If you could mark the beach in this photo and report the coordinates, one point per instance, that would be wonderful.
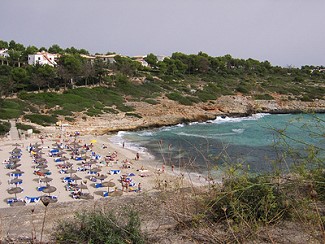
(151, 175)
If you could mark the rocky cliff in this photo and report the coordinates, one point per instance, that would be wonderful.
(168, 112)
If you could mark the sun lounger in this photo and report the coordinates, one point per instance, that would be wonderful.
(41, 188)
(69, 181)
(98, 185)
(78, 158)
(12, 200)
(57, 160)
(105, 194)
(16, 175)
(32, 199)
(131, 174)
(132, 184)
(115, 171)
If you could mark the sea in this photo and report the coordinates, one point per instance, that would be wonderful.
(257, 144)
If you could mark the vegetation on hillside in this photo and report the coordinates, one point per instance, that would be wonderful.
(101, 87)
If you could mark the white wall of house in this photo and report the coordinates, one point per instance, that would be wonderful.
(42, 58)
(4, 53)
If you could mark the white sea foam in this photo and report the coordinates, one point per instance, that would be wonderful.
(238, 131)
(146, 133)
(119, 139)
(221, 119)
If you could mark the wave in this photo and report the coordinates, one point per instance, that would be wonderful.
(238, 131)
(146, 133)
(211, 136)
(222, 119)
(119, 139)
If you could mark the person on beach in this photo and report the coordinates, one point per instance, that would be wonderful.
(139, 187)
(163, 168)
(123, 144)
(173, 166)
(137, 156)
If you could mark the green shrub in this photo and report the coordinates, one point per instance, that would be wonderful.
(12, 108)
(4, 128)
(93, 112)
(263, 97)
(40, 119)
(250, 200)
(134, 115)
(25, 127)
(179, 98)
(151, 101)
(205, 96)
(62, 112)
(96, 227)
(69, 119)
(110, 110)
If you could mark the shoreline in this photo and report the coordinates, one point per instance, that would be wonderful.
(151, 180)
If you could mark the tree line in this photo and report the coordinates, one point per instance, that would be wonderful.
(73, 69)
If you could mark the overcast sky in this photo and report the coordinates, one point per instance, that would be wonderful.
(284, 32)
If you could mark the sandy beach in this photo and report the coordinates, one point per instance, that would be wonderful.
(146, 171)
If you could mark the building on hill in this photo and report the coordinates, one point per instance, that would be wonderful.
(3, 56)
(141, 60)
(42, 58)
(105, 58)
(4, 53)
(110, 58)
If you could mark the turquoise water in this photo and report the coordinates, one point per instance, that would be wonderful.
(256, 142)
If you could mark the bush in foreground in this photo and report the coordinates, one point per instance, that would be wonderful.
(100, 227)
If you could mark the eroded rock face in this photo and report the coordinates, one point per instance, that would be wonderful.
(169, 112)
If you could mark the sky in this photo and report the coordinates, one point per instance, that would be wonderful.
(284, 32)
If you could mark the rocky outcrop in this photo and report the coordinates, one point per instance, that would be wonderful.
(168, 112)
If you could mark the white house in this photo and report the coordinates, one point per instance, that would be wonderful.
(4, 53)
(42, 58)
(106, 58)
(141, 60)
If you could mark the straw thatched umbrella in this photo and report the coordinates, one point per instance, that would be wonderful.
(49, 189)
(96, 170)
(14, 160)
(61, 153)
(14, 166)
(101, 177)
(75, 177)
(116, 193)
(17, 171)
(86, 196)
(41, 166)
(48, 199)
(40, 160)
(108, 184)
(45, 179)
(43, 171)
(71, 171)
(15, 190)
(16, 150)
(16, 145)
(15, 181)
(64, 158)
